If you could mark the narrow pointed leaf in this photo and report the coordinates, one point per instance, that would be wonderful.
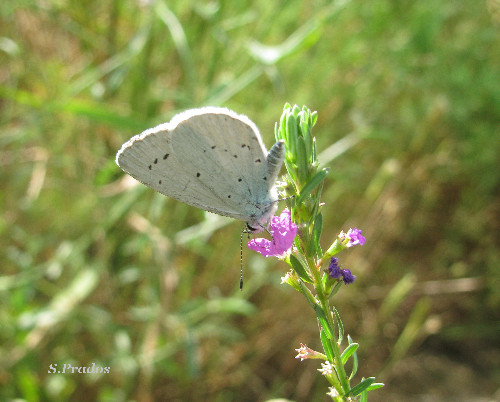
(336, 288)
(363, 385)
(282, 128)
(314, 118)
(323, 321)
(340, 325)
(291, 134)
(310, 298)
(348, 352)
(327, 346)
(313, 152)
(375, 385)
(314, 246)
(299, 268)
(311, 185)
(354, 360)
(302, 164)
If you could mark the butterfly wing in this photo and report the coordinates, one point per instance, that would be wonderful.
(210, 158)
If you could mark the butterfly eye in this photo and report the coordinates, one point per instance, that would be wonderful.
(252, 229)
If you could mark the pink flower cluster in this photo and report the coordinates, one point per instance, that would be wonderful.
(283, 231)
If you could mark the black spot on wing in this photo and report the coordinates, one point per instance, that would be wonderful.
(165, 156)
(198, 174)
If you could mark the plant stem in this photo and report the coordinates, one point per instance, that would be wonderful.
(320, 291)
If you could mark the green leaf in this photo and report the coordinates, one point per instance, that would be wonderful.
(306, 128)
(323, 321)
(363, 385)
(311, 185)
(283, 135)
(310, 298)
(291, 136)
(316, 201)
(340, 325)
(354, 360)
(314, 154)
(375, 385)
(348, 352)
(291, 168)
(314, 118)
(299, 268)
(327, 345)
(277, 131)
(302, 165)
(335, 289)
(314, 246)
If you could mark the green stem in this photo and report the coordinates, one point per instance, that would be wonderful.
(318, 286)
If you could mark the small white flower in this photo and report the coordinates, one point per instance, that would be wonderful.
(326, 368)
(285, 278)
(333, 392)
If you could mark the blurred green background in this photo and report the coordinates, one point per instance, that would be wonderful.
(95, 269)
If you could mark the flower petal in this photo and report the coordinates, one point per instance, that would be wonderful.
(283, 231)
(355, 237)
(262, 246)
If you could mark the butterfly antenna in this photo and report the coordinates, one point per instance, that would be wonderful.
(241, 259)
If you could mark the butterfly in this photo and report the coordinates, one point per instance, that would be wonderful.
(211, 158)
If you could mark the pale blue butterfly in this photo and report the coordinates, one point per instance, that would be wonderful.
(210, 158)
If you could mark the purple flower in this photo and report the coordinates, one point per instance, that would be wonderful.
(335, 272)
(283, 231)
(347, 276)
(352, 237)
(333, 268)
